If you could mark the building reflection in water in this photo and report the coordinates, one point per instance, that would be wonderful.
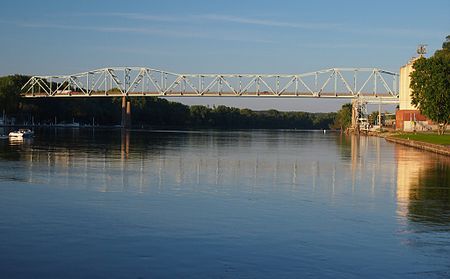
(423, 186)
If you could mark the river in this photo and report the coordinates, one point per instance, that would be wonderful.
(86, 203)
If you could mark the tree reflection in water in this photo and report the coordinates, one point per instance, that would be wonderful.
(431, 195)
(423, 186)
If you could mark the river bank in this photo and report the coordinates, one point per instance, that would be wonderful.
(431, 147)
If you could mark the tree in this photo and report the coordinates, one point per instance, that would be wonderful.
(430, 85)
(343, 118)
(10, 92)
(373, 118)
(199, 115)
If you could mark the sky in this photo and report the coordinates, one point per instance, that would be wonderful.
(283, 37)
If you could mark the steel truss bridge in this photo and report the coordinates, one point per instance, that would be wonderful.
(368, 84)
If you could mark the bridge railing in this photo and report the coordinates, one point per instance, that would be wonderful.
(140, 81)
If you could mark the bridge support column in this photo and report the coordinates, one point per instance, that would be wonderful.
(128, 116)
(124, 105)
(126, 113)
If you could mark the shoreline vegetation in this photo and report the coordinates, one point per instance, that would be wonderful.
(156, 112)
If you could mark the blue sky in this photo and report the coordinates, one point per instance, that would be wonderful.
(62, 37)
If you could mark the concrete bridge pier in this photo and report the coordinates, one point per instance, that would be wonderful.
(126, 113)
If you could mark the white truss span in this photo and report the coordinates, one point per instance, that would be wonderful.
(137, 81)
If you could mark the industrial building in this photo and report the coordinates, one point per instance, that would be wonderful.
(408, 116)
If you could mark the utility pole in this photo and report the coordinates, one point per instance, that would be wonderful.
(355, 116)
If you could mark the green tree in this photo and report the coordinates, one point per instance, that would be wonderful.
(323, 120)
(430, 85)
(343, 118)
(373, 118)
(10, 87)
(199, 115)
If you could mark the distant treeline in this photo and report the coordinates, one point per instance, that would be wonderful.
(148, 111)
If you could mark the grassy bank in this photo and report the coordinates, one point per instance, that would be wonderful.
(425, 137)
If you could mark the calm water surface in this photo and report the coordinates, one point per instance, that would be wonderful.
(208, 204)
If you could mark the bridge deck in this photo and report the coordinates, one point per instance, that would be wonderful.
(208, 94)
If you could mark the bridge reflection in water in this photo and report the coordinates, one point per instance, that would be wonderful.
(144, 167)
(127, 170)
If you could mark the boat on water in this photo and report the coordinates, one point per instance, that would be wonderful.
(21, 133)
(4, 137)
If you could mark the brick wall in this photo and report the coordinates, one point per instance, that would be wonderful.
(408, 115)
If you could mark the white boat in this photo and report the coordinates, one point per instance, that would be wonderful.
(22, 133)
